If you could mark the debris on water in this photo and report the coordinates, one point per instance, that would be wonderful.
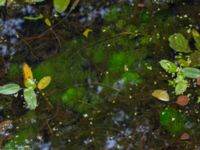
(182, 100)
(5, 125)
(161, 95)
(140, 5)
(198, 82)
(185, 136)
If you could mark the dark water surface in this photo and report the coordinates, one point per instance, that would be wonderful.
(100, 94)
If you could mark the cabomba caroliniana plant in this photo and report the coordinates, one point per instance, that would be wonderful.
(30, 85)
(186, 64)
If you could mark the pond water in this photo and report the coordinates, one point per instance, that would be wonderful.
(103, 59)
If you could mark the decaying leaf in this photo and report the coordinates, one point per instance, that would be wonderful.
(182, 100)
(185, 136)
(86, 32)
(44, 82)
(161, 95)
(198, 81)
(27, 72)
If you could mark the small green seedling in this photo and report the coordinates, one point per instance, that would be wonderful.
(30, 85)
(183, 69)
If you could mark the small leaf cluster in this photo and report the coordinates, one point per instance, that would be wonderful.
(30, 84)
(182, 69)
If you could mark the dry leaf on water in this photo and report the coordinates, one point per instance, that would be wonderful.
(161, 95)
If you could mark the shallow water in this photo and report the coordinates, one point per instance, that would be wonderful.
(100, 93)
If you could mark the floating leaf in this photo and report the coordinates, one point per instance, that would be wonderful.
(185, 136)
(2, 2)
(61, 5)
(44, 82)
(86, 32)
(182, 100)
(198, 81)
(191, 72)
(196, 37)
(179, 43)
(74, 5)
(30, 98)
(9, 89)
(161, 95)
(181, 87)
(27, 72)
(47, 21)
(168, 66)
(34, 1)
(33, 18)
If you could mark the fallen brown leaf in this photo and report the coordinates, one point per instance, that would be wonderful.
(182, 100)
(185, 136)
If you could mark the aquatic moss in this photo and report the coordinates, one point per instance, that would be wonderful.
(172, 120)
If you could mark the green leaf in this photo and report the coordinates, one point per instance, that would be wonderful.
(168, 66)
(74, 5)
(196, 37)
(2, 2)
(61, 5)
(190, 72)
(181, 87)
(37, 1)
(30, 98)
(33, 18)
(179, 43)
(9, 89)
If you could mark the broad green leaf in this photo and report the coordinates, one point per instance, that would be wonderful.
(179, 43)
(168, 66)
(161, 95)
(2, 2)
(181, 87)
(33, 18)
(9, 89)
(30, 98)
(61, 5)
(195, 59)
(196, 37)
(44, 82)
(190, 72)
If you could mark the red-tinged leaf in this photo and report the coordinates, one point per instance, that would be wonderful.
(182, 100)
(198, 81)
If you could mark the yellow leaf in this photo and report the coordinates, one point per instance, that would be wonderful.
(161, 95)
(27, 72)
(47, 21)
(87, 31)
(44, 82)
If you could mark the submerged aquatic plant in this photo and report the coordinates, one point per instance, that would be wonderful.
(172, 120)
(30, 85)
